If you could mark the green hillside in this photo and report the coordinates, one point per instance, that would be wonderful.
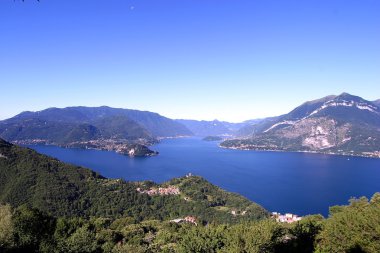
(48, 206)
(59, 189)
(352, 228)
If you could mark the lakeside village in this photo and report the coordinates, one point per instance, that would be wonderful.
(173, 190)
(286, 218)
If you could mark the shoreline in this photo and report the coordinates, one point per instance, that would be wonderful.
(129, 151)
(301, 151)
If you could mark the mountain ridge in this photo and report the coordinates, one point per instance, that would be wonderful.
(343, 124)
(155, 123)
(376, 102)
(122, 130)
(206, 128)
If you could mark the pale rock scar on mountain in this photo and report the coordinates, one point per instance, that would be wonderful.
(343, 124)
(361, 106)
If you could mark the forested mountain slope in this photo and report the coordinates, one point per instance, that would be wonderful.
(59, 189)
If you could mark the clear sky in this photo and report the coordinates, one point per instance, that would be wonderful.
(201, 59)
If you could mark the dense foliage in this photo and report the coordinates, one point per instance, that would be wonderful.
(352, 228)
(49, 206)
(59, 189)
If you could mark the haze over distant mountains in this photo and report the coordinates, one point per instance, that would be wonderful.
(343, 124)
(215, 127)
(206, 128)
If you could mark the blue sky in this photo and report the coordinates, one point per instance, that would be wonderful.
(202, 59)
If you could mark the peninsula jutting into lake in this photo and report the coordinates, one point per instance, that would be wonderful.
(272, 179)
(184, 206)
(174, 126)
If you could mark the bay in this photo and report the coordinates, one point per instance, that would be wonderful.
(300, 183)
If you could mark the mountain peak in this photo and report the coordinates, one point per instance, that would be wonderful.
(376, 102)
(343, 124)
(347, 96)
(345, 100)
(319, 100)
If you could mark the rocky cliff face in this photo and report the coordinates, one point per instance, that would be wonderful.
(316, 133)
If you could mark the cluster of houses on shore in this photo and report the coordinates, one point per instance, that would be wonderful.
(188, 219)
(170, 190)
(375, 154)
(286, 218)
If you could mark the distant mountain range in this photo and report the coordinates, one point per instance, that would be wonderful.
(343, 124)
(211, 128)
(64, 126)
(95, 127)
(139, 123)
(215, 127)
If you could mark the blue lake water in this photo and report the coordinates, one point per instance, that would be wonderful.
(300, 183)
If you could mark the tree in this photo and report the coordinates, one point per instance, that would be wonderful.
(33, 230)
(260, 237)
(303, 235)
(6, 227)
(202, 239)
(82, 240)
(356, 228)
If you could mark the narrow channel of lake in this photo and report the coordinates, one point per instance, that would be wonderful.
(299, 183)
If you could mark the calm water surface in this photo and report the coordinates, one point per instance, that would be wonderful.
(286, 182)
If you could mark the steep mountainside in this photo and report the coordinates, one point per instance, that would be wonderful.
(254, 126)
(59, 189)
(343, 124)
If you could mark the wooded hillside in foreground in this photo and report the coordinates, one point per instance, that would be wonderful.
(49, 206)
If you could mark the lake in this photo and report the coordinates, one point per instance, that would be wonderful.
(299, 183)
